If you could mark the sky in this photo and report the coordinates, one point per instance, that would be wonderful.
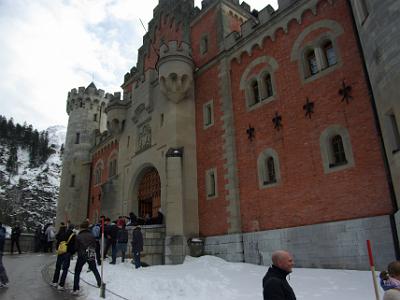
(210, 277)
(49, 47)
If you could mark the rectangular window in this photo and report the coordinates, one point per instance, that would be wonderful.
(208, 118)
(127, 143)
(72, 182)
(211, 183)
(395, 133)
(95, 117)
(161, 120)
(204, 45)
(77, 138)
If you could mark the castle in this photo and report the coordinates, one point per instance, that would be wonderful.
(254, 130)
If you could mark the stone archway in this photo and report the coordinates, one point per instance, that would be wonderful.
(149, 193)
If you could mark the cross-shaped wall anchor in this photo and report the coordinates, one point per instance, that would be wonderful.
(277, 120)
(251, 132)
(309, 108)
(345, 92)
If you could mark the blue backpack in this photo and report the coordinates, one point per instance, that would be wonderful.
(96, 231)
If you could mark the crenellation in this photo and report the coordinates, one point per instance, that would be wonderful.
(247, 27)
(265, 14)
(245, 6)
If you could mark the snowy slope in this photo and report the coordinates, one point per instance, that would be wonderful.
(30, 196)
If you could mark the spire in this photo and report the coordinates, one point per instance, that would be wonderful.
(91, 85)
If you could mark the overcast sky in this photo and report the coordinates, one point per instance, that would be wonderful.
(48, 47)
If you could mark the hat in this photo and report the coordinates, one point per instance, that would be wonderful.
(84, 225)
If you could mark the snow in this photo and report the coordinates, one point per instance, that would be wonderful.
(209, 277)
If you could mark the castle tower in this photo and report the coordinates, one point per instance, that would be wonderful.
(85, 108)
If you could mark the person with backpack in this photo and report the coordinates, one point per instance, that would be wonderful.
(65, 250)
(96, 231)
(15, 234)
(85, 244)
(137, 245)
(122, 241)
(3, 273)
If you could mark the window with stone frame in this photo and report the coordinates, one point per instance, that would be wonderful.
(336, 149)
(338, 153)
(268, 168)
(112, 167)
(211, 183)
(77, 138)
(208, 114)
(394, 132)
(72, 181)
(254, 93)
(204, 44)
(269, 91)
(311, 62)
(329, 54)
(98, 173)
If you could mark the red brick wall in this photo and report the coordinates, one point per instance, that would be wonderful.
(305, 194)
(166, 30)
(102, 154)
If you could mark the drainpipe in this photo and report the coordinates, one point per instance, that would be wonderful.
(379, 130)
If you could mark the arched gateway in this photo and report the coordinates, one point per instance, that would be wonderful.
(149, 193)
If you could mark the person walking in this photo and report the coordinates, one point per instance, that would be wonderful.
(137, 245)
(67, 238)
(15, 234)
(3, 274)
(275, 285)
(85, 246)
(50, 234)
(390, 281)
(122, 241)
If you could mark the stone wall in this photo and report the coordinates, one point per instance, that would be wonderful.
(26, 242)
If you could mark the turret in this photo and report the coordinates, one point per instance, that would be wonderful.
(86, 110)
(175, 70)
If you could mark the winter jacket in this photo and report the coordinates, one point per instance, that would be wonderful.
(276, 286)
(2, 238)
(137, 240)
(15, 233)
(122, 236)
(392, 294)
(84, 240)
(110, 232)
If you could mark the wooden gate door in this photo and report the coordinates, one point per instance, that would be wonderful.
(149, 195)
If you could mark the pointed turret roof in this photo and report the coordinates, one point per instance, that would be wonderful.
(91, 85)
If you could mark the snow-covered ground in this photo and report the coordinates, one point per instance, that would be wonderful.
(209, 278)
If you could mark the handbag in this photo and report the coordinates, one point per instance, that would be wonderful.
(63, 246)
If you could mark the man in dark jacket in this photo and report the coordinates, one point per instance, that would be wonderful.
(110, 232)
(137, 245)
(275, 284)
(85, 244)
(15, 234)
(64, 259)
(3, 273)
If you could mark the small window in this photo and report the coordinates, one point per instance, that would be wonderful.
(339, 155)
(127, 142)
(256, 94)
(270, 175)
(395, 133)
(330, 55)
(268, 86)
(312, 63)
(95, 117)
(99, 198)
(211, 183)
(161, 120)
(81, 103)
(208, 118)
(112, 168)
(77, 138)
(72, 182)
(97, 175)
(204, 45)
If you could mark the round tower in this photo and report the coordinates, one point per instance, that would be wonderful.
(85, 108)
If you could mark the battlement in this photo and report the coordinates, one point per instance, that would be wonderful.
(81, 96)
(173, 48)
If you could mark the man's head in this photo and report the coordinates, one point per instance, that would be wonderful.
(283, 260)
(84, 225)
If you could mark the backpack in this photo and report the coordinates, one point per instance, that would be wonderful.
(63, 246)
(90, 253)
(96, 231)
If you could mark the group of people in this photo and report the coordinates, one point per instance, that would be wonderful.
(45, 236)
(276, 286)
(85, 241)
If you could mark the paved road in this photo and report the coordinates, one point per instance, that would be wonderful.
(26, 280)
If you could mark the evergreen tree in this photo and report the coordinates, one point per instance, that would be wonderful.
(12, 161)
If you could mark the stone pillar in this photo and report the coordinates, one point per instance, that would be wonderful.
(175, 242)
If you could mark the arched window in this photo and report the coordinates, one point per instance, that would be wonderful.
(312, 62)
(112, 167)
(256, 94)
(329, 53)
(339, 155)
(98, 171)
(268, 86)
(270, 171)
